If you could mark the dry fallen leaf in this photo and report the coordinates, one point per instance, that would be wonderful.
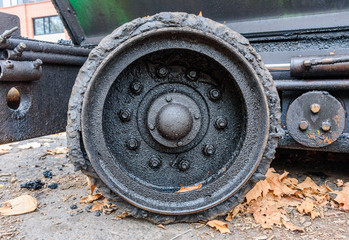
(161, 226)
(91, 198)
(200, 14)
(5, 149)
(57, 150)
(232, 214)
(222, 227)
(123, 215)
(339, 183)
(20, 205)
(308, 206)
(30, 145)
(343, 197)
(188, 189)
(290, 226)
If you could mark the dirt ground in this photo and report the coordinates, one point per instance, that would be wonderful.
(56, 217)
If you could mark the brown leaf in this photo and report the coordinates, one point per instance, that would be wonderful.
(57, 150)
(97, 206)
(20, 205)
(200, 14)
(220, 226)
(123, 215)
(339, 183)
(292, 227)
(91, 198)
(188, 189)
(309, 184)
(239, 208)
(308, 207)
(161, 226)
(4, 149)
(259, 190)
(267, 211)
(275, 181)
(343, 197)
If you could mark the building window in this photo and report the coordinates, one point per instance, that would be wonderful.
(48, 25)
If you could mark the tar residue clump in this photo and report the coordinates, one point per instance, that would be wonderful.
(34, 185)
(47, 174)
(53, 186)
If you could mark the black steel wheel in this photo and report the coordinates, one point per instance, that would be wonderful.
(169, 101)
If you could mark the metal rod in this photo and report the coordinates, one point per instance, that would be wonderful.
(279, 67)
(50, 58)
(46, 47)
(325, 84)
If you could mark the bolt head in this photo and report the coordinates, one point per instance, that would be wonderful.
(192, 75)
(162, 72)
(221, 123)
(326, 126)
(209, 150)
(168, 98)
(315, 108)
(125, 115)
(303, 125)
(184, 165)
(132, 144)
(154, 162)
(136, 87)
(214, 94)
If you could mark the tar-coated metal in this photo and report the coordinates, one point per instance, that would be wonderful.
(20, 71)
(315, 119)
(181, 121)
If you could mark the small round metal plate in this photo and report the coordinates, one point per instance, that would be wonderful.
(315, 119)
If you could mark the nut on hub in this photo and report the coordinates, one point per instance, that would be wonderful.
(184, 165)
(221, 123)
(155, 162)
(208, 150)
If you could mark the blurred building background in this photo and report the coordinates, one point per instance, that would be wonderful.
(38, 18)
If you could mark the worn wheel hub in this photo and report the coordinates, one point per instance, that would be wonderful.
(169, 112)
(174, 120)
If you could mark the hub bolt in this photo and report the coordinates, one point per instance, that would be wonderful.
(184, 165)
(162, 72)
(132, 144)
(136, 87)
(214, 94)
(315, 108)
(326, 126)
(209, 150)
(168, 99)
(125, 115)
(221, 123)
(303, 125)
(192, 75)
(154, 162)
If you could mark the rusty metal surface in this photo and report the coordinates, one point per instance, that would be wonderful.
(315, 119)
(23, 71)
(320, 66)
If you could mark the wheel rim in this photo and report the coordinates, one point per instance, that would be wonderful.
(126, 133)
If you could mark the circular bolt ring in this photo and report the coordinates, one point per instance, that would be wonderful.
(136, 87)
(214, 94)
(154, 162)
(315, 108)
(326, 126)
(184, 165)
(132, 144)
(209, 150)
(221, 123)
(125, 115)
(162, 72)
(303, 125)
(192, 75)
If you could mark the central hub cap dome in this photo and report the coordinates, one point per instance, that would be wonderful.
(174, 121)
